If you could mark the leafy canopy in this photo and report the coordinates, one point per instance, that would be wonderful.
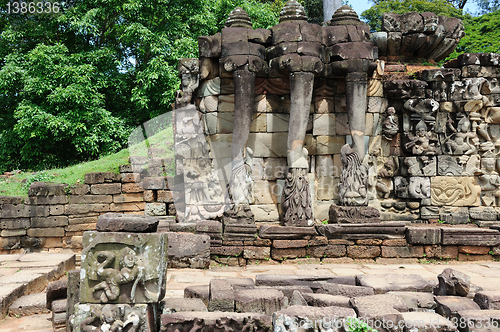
(74, 84)
(373, 16)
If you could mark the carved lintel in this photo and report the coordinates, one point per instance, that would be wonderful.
(296, 199)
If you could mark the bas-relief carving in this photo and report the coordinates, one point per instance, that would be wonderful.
(123, 267)
(353, 188)
(489, 180)
(189, 73)
(458, 191)
(387, 171)
(390, 126)
(423, 142)
(459, 165)
(203, 193)
(418, 166)
(419, 187)
(297, 205)
(111, 318)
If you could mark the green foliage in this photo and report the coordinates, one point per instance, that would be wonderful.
(481, 35)
(74, 84)
(37, 177)
(373, 16)
(357, 325)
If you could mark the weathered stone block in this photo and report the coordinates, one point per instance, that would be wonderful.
(285, 244)
(128, 198)
(393, 282)
(155, 209)
(257, 252)
(106, 189)
(281, 254)
(449, 306)
(363, 251)
(90, 199)
(326, 251)
(221, 296)
(488, 300)
(49, 222)
(329, 144)
(452, 282)
(154, 183)
(99, 177)
(45, 232)
(268, 212)
(266, 301)
(18, 223)
(188, 250)
(470, 236)
(403, 252)
(113, 222)
(173, 305)
(137, 261)
(132, 188)
(353, 215)
(422, 235)
(126, 207)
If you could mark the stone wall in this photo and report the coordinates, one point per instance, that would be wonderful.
(454, 109)
(56, 215)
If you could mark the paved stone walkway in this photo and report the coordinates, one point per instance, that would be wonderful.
(483, 274)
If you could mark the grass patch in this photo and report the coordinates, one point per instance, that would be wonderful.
(18, 184)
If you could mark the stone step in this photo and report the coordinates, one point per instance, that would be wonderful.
(29, 305)
(29, 274)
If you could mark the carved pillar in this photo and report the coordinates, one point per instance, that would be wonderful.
(240, 184)
(296, 198)
(356, 86)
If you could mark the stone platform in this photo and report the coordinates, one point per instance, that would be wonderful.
(482, 274)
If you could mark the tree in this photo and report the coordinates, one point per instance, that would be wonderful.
(74, 84)
(373, 16)
(481, 35)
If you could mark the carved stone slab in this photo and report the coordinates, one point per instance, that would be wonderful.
(454, 191)
(383, 283)
(470, 237)
(286, 232)
(113, 317)
(389, 230)
(123, 267)
(353, 215)
(115, 222)
(211, 321)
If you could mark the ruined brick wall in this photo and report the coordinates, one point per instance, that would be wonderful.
(55, 215)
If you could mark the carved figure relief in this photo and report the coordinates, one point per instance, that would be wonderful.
(390, 126)
(122, 267)
(110, 318)
(462, 140)
(417, 166)
(489, 180)
(296, 199)
(423, 142)
(419, 187)
(353, 187)
(385, 175)
(458, 191)
(189, 73)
